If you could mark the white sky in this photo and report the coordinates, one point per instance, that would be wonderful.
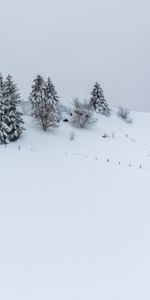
(77, 43)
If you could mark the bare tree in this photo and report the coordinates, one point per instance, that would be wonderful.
(45, 115)
(82, 114)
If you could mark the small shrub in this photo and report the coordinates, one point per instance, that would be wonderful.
(124, 114)
(105, 136)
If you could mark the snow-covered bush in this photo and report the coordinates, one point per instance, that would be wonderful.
(82, 114)
(98, 101)
(124, 114)
(44, 103)
(65, 111)
(105, 136)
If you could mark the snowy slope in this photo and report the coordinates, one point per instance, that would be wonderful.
(74, 215)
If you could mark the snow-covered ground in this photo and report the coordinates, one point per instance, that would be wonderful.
(75, 215)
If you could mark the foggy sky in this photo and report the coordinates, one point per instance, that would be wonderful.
(77, 43)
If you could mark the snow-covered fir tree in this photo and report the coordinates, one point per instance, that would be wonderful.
(11, 122)
(51, 94)
(37, 94)
(4, 129)
(98, 101)
(44, 101)
(13, 117)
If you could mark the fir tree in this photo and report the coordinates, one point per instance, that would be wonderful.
(12, 117)
(4, 129)
(44, 101)
(37, 94)
(52, 96)
(98, 101)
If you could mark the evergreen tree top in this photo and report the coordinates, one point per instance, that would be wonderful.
(50, 90)
(37, 89)
(11, 93)
(38, 80)
(97, 91)
(38, 83)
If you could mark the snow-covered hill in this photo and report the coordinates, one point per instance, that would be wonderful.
(74, 215)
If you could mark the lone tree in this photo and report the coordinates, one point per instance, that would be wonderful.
(11, 121)
(44, 102)
(98, 101)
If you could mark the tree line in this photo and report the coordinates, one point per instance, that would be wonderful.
(45, 107)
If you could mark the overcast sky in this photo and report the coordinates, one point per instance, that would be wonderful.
(78, 42)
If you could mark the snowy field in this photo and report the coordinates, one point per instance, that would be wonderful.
(75, 215)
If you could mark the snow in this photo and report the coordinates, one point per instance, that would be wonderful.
(72, 224)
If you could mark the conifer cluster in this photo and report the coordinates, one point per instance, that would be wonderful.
(44, 103)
